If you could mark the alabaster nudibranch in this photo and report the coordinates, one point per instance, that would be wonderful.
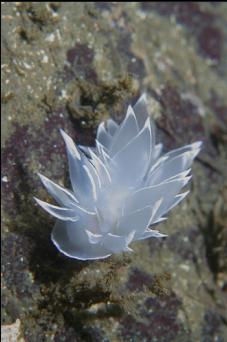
(121, 188)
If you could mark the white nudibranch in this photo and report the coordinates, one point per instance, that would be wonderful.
(120, 189)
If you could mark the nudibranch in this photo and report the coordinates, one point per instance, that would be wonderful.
(121, 188)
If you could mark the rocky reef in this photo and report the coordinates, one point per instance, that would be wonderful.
(71, 65)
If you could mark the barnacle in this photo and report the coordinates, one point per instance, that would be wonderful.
(120, 189)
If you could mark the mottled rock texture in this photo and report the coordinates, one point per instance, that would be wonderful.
(71, 65)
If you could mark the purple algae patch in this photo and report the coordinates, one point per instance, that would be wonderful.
(158, 322)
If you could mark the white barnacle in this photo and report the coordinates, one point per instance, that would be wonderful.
(120, 189)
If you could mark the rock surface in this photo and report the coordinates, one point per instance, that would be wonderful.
(71, 65)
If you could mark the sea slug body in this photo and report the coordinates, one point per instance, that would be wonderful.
(120, 189)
